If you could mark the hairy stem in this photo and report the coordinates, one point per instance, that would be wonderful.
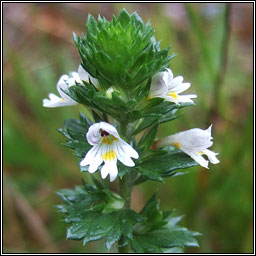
(125, 189)
(125, 186)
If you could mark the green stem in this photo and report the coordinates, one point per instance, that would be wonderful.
(123, 128)
(125, 189)
(125, 186)
(126, 183)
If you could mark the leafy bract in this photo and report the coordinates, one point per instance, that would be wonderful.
(157, 164)
(159, 230)
(94, 212)
(75, 131)
(122, 52)
(150, 231)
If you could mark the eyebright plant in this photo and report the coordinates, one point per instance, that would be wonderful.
(124, 80)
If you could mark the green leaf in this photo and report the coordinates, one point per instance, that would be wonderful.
(156, 112)
(113, 235)
(152, 230)
(127, 226)
(173, 250)
(168, 117)
(85, 120)
(166, 164)
(143, 124)
(141, 244)
(151, 153)
(151, 204)
(81, 94)
(80, 229)
(153, 217)
(96, 117)
(122, 170)
(75, 133)
(157, 240)
(162, 107)
(123, 18)
(94, 212)
(150, 174)
(148, 138)
(91, 24)
(97, 183)
(177, 237)
(76, 39)
(88, 96)
(159, 230)
(100, 226)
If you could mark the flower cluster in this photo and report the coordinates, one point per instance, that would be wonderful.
(108, 147)
(125, 83)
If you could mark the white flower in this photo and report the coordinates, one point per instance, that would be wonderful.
(165, 86)
(194, 143)
(107, 147)
(85, 76)
(63, 84)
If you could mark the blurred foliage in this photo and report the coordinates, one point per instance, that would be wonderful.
(38, 48)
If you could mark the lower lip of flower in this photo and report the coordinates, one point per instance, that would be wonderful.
(174, 95)
(109, 155)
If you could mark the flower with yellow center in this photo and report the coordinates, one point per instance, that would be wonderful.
(63, 84)
(165, 86)
(194, 143)
(108, 147)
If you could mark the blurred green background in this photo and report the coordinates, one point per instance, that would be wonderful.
(214, 47)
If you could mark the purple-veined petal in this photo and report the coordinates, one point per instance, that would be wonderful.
(93, 134)
(93, 153)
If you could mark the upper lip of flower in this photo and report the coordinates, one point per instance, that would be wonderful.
(107, 147)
